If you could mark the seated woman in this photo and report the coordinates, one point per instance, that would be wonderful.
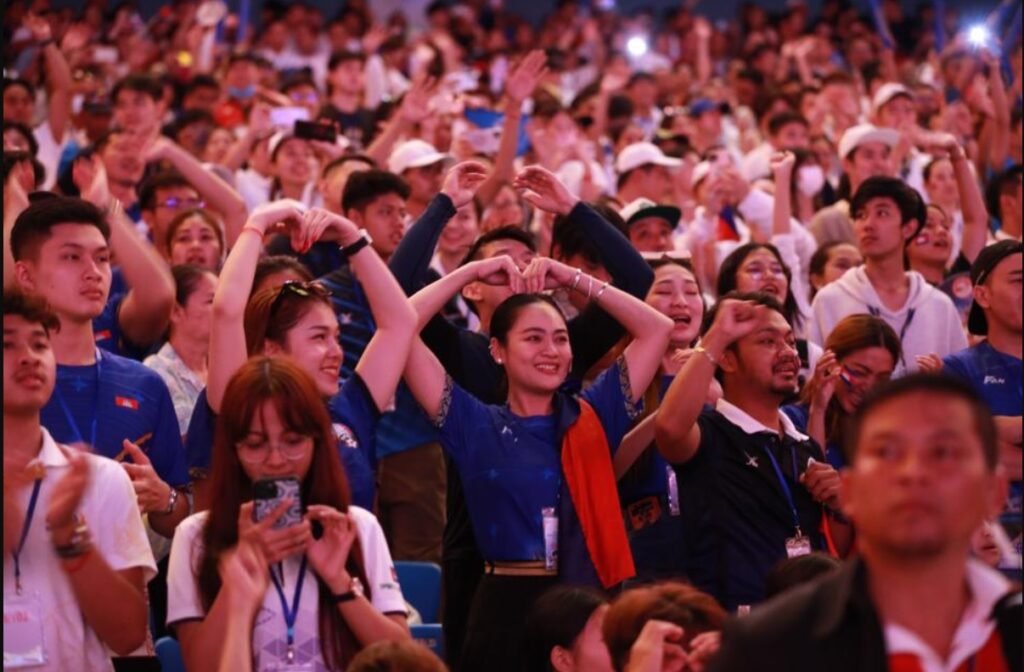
(196, 237)
(537, 470)
(273, 425)
(563, 632)
(297, 320)
(666, 627)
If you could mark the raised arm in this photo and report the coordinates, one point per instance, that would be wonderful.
(227, 332)
(146, 309)
(648, 328)
(414, 108)
(58, 77)
(971, 201)
(519, 86)
(15, 202)
(215, 191)
(676, 429)
(782, 209)
(383, 360)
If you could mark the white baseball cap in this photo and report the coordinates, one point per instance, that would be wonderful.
(641, 154)
(700, 171)
(642, 208)
(855, 136)
(414, 154)
(887, 92)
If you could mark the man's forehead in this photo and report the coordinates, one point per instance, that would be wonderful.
(505, 246)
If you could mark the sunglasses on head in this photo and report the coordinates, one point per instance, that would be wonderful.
(300, 289)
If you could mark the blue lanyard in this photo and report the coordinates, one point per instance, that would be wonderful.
(290, 614)
(95, 407)
(785, 486)
(25, 527)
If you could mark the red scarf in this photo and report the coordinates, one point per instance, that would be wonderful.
(587, 464)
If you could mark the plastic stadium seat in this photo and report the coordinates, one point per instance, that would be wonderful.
(430, 636)
(169, 652)
(421, 587)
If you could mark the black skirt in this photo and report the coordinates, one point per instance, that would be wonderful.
(497, 619)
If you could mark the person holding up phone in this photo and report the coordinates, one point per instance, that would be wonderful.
(332, 589)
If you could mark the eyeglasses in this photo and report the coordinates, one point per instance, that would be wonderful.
(300, 289)
(174, 203)
(256, 452)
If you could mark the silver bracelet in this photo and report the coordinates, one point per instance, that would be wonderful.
(576, 280)
(601, 291)
(590, 285)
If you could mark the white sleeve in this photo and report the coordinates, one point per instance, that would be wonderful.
(115, 522)
(183, 599)
(385, 593)
(757, 210)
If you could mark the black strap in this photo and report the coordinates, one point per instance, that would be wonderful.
(1008, 614)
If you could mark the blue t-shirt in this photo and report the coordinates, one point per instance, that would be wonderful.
(128, 401)
(354, 417)
(511, 467)
(106, 326)
(994, 375)
(799, 414)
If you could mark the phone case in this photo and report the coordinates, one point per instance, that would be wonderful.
(268, 495)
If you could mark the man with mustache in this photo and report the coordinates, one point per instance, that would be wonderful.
(752, 487)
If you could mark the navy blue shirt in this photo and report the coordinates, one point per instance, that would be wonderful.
(128, 401)
(994, 375)
(799, 414)
(735, 513)
(354, 417)
(511, 468)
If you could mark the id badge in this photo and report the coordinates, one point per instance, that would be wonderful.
(797, 546)
(550, 520)
(292, 667)
(23, 631)
(673, 490)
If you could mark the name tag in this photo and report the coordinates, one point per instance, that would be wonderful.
(797, 546)
(23, 631)
(550, 522)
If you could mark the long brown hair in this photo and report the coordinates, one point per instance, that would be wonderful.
(853, 333)
(272, 312)
(281, 382)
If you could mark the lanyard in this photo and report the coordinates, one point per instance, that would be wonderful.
(785, 486)
(95, 407)
(290, 614)
(876, 312)
(25, 526)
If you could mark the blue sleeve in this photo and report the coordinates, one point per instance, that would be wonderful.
(609, 394)
(354, 405)
(594, 332)
(199, 440)
(954, 365)
(411, 258)
(105, 326)
(460, 420)
(167, 453)
(798, 413)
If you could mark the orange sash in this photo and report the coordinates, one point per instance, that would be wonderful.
(587, 465)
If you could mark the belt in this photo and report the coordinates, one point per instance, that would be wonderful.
(528, 568)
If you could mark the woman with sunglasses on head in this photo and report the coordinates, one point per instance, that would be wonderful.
(296, 319)
(537, 471)
(333, 589)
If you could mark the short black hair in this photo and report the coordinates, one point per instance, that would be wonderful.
(908, 201)
(346, 158)
(759, 298)
(571, 239)
(186, 281)
(31, 309)
(342, 56)
(22, 82)
(25, 132)
(781, 119)
(143, 84)
(276, 264)
(34, 225)
(366, 186)
(244, 57)
(938, 384)
(557, 618)
(793, 572)
(509, 232)
(1003, 183)
(166, 179)
(202, 81)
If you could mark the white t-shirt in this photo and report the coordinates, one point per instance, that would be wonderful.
(269, 637)
(49, 152)
(110, 510)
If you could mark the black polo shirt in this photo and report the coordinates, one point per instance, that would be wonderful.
(735, 512)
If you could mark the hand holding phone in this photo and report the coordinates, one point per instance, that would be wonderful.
(270, 493)
(312, 130)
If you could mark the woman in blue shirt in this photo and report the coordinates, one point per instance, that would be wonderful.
(537, 470)
(297, 320)
(860, 353)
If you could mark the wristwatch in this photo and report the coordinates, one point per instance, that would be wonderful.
(355, 589)
(172, 501)
(364, 239)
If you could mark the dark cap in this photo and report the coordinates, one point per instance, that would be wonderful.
(987, 260)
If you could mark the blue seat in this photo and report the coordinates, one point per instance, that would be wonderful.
(421, 586)
(168, 651)
(431, 636)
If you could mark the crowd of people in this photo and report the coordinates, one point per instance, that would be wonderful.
(678, 345)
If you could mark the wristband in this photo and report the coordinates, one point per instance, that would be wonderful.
(172, 501)
(79, 544)
(700, 349)
(600, 291)
(253, 229)
(348, 250)
(355, 590)
(77, 562)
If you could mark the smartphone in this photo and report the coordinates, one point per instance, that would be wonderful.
(267, 496)
(285, 117)
(311, 130)
(105, 55)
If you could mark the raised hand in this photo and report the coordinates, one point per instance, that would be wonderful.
(524, 78)
(150, 491)
(90, 176)
(929, 363)
(734, 320)
(462, 181)
(782, 163)
(822, 481)
(276, 545)
(657, 648)
(543, 190)
(319, 224)
(67, 492)
(328, 554)
(500, 271)
(282, 215)
(244, 578)
(822, 384)
(415, 106)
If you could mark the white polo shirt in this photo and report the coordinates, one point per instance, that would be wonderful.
(112, 514)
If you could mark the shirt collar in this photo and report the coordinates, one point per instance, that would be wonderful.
(749, 425)
(50, 455)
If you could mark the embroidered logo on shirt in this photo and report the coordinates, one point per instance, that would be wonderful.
(126, 402)
(103, 335)
(345, 318)
(345, 436)
(751, 460)
(993, 380)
